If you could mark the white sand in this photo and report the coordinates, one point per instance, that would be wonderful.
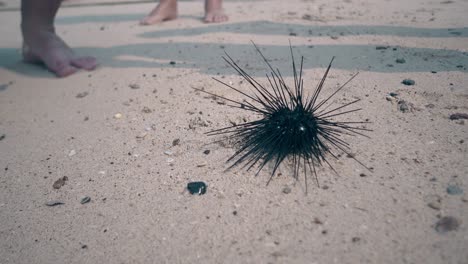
(139, 212)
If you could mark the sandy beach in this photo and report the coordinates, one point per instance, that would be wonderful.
(117, 146)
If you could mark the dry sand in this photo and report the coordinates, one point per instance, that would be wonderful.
(139, 211)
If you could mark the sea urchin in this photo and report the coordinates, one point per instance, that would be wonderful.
(293, 124)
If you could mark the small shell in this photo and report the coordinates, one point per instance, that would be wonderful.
(85, 199)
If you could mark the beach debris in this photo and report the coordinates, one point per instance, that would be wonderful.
(60, 182)
(206, 152)
(434, 201)
(82, 94)
(400, 60)
(176, 142)
(446, 224)
(196, 187)
(454, 189)
(2, 137)
(408, 82)
(134, 86)
(54, 203)
(286, 190)
(146, 110)
(72, 153)
(85, 199)
(141, 135)
(202, 164)
(381, 47)
(403, 106)
(458, 116)
(118, 116)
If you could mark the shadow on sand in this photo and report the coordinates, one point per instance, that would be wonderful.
(206, 57)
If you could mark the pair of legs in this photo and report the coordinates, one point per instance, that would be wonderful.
(167, 10)
(42, 45)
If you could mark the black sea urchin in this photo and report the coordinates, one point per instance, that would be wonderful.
(293, 125)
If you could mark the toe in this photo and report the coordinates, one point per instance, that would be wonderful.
(87, 63)
(60, 67)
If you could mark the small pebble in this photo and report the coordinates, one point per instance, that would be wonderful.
(168, 152)
(54, 203)
(196, 188)
(82, 94)
(400, 60)
(203, 164)
(176, 142)
(286, 190)
(446, 224)
(60, 182)
(85, 199)
(146, 110)
(403, 106)
(172, 62)
(134, 86)
(206, 152)
(381, 47)
(434, 201)
(408, 82)
(72, 153)
(454, 190)
(2, 137)
(118, 116)
(142, 135)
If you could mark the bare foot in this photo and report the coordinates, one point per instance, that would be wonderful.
(214, 12)
(44, 46)
(165, 10)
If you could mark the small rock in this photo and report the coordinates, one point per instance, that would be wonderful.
(434, 201)
(400, 60)
(206, 152)
(355, 239)
(82, 94)
(169, 160)
(203, 164)
(3, 87)
(408, 82)
(168, 152)
(118, 116)
(176, 142)
(146, 110)
(196, 188)
(457, 116)
(72, 153)
(447, 223)
(172, 62)
(85, 199)
(381, 47)
(403, 106)
(134, 86)
(60, 182)
(142, 135)
(286, 190)
(454, 189)
(2, 137)
(54, 203)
